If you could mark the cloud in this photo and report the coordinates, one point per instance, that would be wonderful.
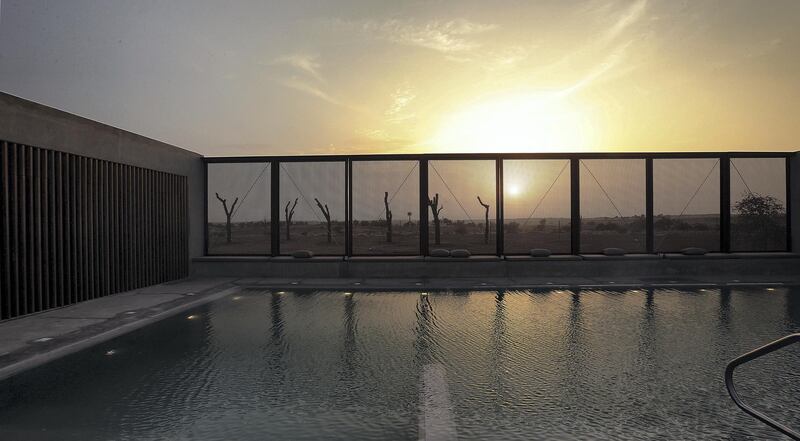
(305, 63)
(631, 16)
(310, 89)
(451, 36)
(601, 69)
(401, 98)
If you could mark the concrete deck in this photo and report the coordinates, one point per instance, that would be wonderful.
(33, 340)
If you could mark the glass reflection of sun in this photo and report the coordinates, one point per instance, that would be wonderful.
(514, 123)
(513, 190)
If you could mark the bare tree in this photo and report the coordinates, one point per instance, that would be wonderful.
(327, 213)
(435, 210)
(228, 214)
(388, 217)
(486, 220)
(289, 215)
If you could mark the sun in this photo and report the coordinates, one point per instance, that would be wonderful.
(513, 190)
(528, 122)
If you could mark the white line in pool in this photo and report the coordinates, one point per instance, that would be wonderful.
(436, 420)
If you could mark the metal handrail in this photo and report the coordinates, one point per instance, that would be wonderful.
(752, 355)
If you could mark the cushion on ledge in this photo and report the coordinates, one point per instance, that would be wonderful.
(694, 251)
(302, 254)
(613, 251)
(440, 252)
(540, 252)
(460, 253)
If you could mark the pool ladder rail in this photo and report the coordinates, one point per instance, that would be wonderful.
(750, 356)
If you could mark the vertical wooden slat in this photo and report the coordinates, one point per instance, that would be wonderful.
(134, 245)
(114, 240)
(14, 230)
(151, 241)
(5, 246)
(68, 227)
(141, 246)
(159, 232)
(173, 232)
(106, 229)
(36, 224)
(90, 276)
(81, 226)
(72, 184)
(128, 228)
(78, 220)
(24, 230)
(98, 241)
(44, 182)
(59, 229)
(97, 234)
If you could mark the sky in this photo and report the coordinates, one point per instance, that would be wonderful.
(350, 76)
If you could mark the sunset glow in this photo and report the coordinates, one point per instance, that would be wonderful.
(298, 78)
(527, 122)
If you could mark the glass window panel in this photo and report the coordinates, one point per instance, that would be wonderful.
(398, 183)
(245, 190)
(462, 218)
(686, 204)
(612, 205)
(311, 227)
(536, 198)
(758, 204)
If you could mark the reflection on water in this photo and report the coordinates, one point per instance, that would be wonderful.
(637, 364)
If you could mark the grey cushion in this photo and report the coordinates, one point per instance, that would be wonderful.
(694, 251)
(613, 251)
(540, 252)
(440, 252)
(460, 253)
(302, 254)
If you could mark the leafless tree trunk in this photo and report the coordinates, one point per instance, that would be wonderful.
(435, 210)
(327, 213)
(486, 220)
(228, 214)
(388, 217)
(289, 215)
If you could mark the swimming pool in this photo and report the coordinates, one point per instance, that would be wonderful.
(558, 364)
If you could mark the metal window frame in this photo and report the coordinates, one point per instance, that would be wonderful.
(719, 183)
(498, 188)
(648, 202)
(502, 207)
(345, 160)
(362, 159)
(271, 249)
(423, 163)
(788, 207)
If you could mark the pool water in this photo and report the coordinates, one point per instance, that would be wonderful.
(560, 364)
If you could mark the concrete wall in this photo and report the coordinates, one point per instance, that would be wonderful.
(26, 122)
(737, 266)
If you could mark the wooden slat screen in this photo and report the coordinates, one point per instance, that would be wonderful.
(74, 228)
